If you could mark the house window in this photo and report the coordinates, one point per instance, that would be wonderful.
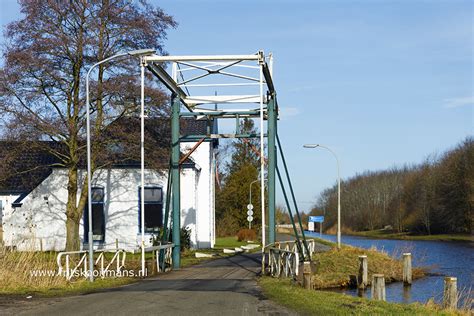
(98, 217)
(153, 209)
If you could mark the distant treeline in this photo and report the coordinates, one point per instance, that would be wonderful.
(436, 196)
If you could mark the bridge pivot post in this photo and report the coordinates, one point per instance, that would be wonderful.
(272, 128)
(175, 186)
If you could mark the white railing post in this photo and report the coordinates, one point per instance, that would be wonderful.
(118, 262)
(102, 272)
(67, 267)
(85, 263)
(297, 263)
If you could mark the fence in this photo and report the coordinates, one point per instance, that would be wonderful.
(75, 263)
(72, 267)
(284, 259)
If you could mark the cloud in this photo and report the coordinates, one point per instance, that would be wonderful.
(458, 102)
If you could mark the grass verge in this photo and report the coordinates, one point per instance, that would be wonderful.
(35, 273)
(79, 286)
(228, 242)
(308, 302)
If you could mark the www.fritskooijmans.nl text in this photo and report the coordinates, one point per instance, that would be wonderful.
(86, 273)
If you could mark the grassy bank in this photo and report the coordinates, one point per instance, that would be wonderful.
(388, 234)
(327, 303)
(335, 267)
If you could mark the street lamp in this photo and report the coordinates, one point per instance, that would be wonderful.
(338, 190)
(139, 52)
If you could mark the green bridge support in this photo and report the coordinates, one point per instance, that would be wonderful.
(175, 186)
(272, 156)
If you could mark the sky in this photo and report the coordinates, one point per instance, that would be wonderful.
(382, 83)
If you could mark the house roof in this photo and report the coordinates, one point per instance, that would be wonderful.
(26, 164)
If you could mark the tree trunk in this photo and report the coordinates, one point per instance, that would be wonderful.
(73, 242)
(73, 213)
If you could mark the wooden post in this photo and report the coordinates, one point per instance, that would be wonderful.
(41, 244)
(378, 287)
(362, 279)
(450, 297)
(307, 284)
(116, 243)
(407, 275)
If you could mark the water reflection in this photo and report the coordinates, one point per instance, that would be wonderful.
(406, 294)
(361, 293)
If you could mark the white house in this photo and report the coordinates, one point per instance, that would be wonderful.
(33, 211)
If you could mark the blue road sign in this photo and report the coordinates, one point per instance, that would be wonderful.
(316, 219)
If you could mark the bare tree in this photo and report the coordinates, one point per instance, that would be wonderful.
(47, 53)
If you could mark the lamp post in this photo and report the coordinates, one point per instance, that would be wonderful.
(138, 52)
(250, 194)
(338, 190)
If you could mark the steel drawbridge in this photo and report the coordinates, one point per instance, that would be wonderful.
(225, 87)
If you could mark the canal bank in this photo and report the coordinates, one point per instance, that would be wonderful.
(387, 234)
(443, 259)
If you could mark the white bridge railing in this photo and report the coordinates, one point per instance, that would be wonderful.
(291, 245)
(75, 263)
(284, 258)
(168, 258)
(283, 262)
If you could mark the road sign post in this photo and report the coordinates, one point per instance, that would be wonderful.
(250, 213)
(320, 220)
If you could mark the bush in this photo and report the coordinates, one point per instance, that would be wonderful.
(227, 226)
(185, 238)
(246, 234)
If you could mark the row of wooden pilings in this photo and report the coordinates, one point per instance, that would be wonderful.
(450, 297)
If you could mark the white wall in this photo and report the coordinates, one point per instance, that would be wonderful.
(41, 221)
(6, 208)
(203, 156)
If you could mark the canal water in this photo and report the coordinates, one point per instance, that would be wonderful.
(454, 259)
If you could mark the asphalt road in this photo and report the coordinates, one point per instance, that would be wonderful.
(225, 286)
